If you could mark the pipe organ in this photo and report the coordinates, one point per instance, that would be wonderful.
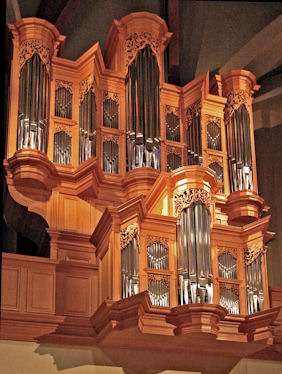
(145, 186)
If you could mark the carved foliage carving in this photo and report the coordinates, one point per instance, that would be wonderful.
(234, 100)
(61, 127)
(229, 286)
(186, 198)
(215, 158)
(192, 112)
(158, 277)
(29, 47)
(86, 85)
(253, 252)
(110, 95)
(213, 119)
(128, 233)
(171, 109)
(110, 138)
(135, 42)
(150, 239)
(174, 150)
(232, 251)
(63, 84)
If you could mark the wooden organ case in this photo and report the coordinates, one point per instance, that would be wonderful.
(149, 191)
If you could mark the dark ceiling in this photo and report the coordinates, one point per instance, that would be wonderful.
(212, 35)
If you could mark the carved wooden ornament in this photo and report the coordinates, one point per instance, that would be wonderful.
(232, 251)
(150, 239)
(186, 198)
(86, 85)
(253, 252)
(63, 84)
(135, 42)
(234, 100)
(192, 112)
(128, 233)
(29, 47)
(111, 95)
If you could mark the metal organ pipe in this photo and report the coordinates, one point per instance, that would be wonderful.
(255, 296)
(62, 148)
(142, 102)
(110, 157)
(193, 255)
(129, 269)
(239, 150)
(194, 141)
(33, 105)
(87, 129)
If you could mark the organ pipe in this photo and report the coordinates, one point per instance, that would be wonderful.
(194, 141)
(194, 255)
(239, 150)
(142, 102)
(229, 300)
(219, 172)
(172, 127)
(62, 148)
(214, 136)
(157, 256)
(130, 269)
(227, 266)
(33, 105)
(87, 129)
(63, 103)
(110, 113)
(110, 157)
(173, 162)
(159, 292)
(255, 296)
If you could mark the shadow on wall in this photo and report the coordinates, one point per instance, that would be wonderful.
(23, 232)
(136, 361)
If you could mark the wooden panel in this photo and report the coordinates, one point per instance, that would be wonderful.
(70, 214)
(77, 291)
(41, 292)
(10, 290)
